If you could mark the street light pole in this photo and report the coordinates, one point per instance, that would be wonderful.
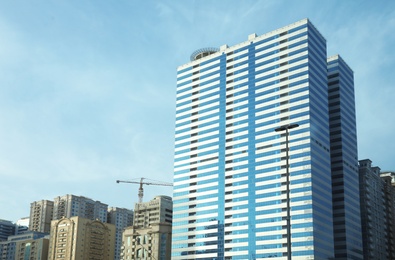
(286, 128)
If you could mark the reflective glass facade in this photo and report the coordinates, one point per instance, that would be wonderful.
(229, 198)
(344, 160)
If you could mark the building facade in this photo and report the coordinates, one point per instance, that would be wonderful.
(150, 235)
(70, 205)
(121, 218)
(7, 228)
(157, 210)
(230, 167)
(344, 161)
(78, 238)
(32, 249)
(377, 196)
(153, 242)
(30, 245)
(41, 213)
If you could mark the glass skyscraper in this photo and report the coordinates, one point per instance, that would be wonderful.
(230, 197)
(344, 161)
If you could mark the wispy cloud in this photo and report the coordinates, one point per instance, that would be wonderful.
(87, 91)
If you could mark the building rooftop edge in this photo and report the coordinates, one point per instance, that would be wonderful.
(251, 39)
(338, 57)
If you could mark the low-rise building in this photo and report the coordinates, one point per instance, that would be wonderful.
(30, 245)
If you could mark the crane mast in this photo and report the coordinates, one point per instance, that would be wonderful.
(142, 182)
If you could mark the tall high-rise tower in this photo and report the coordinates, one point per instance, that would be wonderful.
(344, 161)
(230, 167)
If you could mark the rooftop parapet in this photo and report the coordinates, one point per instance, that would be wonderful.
(200, 53)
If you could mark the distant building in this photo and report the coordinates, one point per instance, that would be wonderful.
(78, 238)
(150, 235)
(121, 218)
(158, 210)
(41, 215)
(153, 242)
(27, 246)
(32, 249)
(22, 225)
(377, 197)
(7, 228)
(67, 206)
(389, 174)
(7, 250)
(70, 205)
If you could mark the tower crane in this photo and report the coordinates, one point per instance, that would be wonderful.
(148, 182)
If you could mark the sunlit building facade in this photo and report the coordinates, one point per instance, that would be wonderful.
(151, 242)
(150, 235)
(81, 238)
(230, 163)
(41, 214)
(30, 245)
(71, 205)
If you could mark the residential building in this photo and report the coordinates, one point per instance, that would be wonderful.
(7, 250)
(390, 174)
(231, 166)
(121, 218)
(70, 205)
(150, 235)
(41, 213)
(32, 249)
(377, 198)
(81, 238)
(157, 210)
(30, 245)
(153, 242)
(344, 161)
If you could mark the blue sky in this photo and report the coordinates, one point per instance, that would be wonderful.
(87, 88)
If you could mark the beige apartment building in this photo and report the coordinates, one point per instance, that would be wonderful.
(32, 249)
(41, 213)
(150, 236)
(151, 243)
(79, 238)
(157, 210)
(71, 205)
